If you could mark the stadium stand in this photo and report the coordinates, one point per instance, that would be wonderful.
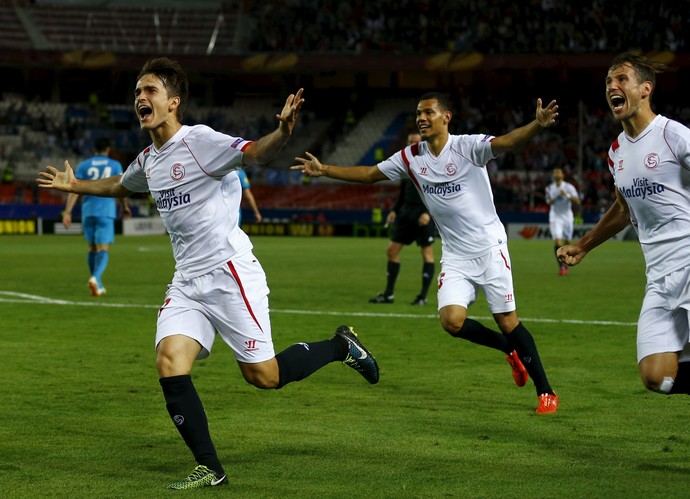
(199, 30)
(369, 130)
(554, 47)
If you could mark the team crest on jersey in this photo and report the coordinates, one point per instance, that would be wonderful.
(177, 172)
(451, 169)
(651, 161)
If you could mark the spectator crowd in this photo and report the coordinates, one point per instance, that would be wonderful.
(487, 26)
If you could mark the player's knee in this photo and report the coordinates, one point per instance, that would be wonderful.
(163, 365)
(452, 324)
(658, 384)
(167, 366)
(658, 371)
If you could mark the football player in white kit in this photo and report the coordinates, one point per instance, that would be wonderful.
(650, 163)
(219, 287)
(450, 174)
(560, 196)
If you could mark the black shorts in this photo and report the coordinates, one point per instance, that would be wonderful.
(407, 230)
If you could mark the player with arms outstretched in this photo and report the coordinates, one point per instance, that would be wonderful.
(450, 174)
(650, 164)
(219, 287)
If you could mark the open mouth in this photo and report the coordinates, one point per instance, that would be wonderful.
(144, 111)
(617, 102)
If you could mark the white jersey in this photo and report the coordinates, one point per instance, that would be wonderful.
(198, 201)
(456, 190)
(561, 207)
(652, 173)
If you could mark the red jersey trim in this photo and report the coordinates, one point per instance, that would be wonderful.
(414, 150)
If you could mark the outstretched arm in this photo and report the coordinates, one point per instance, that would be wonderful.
(312, 167)
(67, 182)
(264, 150)
(616, 218)
(545, 117)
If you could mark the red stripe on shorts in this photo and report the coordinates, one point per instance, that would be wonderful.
(244, 296)
(504, 259)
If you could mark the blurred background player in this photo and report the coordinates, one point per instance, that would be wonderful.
(249, 196)
(560, 196)
(412, 223)
(97, 213)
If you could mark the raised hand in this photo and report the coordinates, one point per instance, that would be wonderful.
(546, 116)
(288, 116)
(53, 178)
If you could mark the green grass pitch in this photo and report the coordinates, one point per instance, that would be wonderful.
(83, 415)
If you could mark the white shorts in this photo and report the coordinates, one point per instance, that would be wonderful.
(561, 229)
(231, 301)
(664, 324)
(459, 280)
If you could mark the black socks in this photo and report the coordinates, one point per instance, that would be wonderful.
(187, 413)
(476, 332)
(428, 270)
(392, 271)
(523, 342)
(682, 382)
(300, 360)
(519, 340)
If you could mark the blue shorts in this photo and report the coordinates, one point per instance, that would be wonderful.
(99, 230)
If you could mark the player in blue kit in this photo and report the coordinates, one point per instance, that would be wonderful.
(97, 213)
(249, 196)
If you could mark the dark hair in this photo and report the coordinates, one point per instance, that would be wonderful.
(645, 69)
(443, 101)
(101, 144)
(173, 77)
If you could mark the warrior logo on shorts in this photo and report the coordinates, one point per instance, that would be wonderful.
(178, 419)
(250, 346)
(651, 161)
(177, 171)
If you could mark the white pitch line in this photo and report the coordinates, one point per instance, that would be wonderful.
(14, 297)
